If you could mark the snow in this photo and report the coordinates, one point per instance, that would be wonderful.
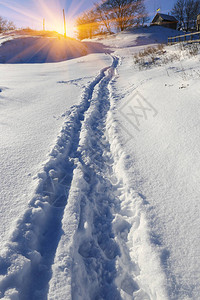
(20, 48)
(134, 40)
(99, 170)
(166, 161)
(33, 101)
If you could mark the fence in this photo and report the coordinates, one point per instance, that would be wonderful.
(188, 38)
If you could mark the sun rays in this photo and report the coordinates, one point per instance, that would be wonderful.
(32, 14)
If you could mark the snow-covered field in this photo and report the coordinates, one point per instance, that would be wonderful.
(99, 160)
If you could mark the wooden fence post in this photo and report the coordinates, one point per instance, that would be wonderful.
(65, 31)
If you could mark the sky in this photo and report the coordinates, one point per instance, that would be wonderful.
(30, 13)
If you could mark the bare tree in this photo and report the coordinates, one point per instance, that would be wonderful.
(179, 11)
(6, 25)
(142, 15)
(191, 12)
(87, 24)
(104, 15)
(186, 12)
(2, 24)
(111, 15)
(123, 14)
(10, 25)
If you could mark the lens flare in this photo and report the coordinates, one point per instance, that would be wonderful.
(33, 13)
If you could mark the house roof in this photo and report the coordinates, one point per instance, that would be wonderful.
(165, 18)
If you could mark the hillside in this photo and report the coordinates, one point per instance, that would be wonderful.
(28, 46)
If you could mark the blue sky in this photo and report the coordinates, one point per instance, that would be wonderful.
(31, 12)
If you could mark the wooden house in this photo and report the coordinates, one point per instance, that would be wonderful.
(165, 20)
(198, 22)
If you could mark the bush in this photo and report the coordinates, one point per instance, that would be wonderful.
(149, 56)
(152, 56)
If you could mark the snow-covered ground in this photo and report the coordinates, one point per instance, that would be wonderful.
(99, 160)
(19, 47)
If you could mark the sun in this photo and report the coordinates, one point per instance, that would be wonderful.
(60, 29)
(50, 11)
(53, 15)
(57, 24)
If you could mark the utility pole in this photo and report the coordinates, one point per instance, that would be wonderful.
(65, 30)
(43, 24)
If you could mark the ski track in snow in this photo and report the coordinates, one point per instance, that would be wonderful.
(103, 220)
(81, 236)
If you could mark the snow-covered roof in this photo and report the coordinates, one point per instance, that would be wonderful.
(165, 17)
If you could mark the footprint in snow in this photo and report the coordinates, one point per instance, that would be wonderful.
(129, 286)
(108, 245)
(88, 249)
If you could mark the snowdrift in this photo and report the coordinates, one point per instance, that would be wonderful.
(141, 36)
(44, 49)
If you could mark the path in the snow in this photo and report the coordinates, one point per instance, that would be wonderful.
(26, 264)
(81, 237)
(102, 222)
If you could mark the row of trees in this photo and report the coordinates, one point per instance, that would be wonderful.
(109, 16)
(6, 25)
(186, 12)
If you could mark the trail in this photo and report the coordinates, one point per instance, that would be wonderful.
(84, 233)
(26, 264)
(98, 256)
